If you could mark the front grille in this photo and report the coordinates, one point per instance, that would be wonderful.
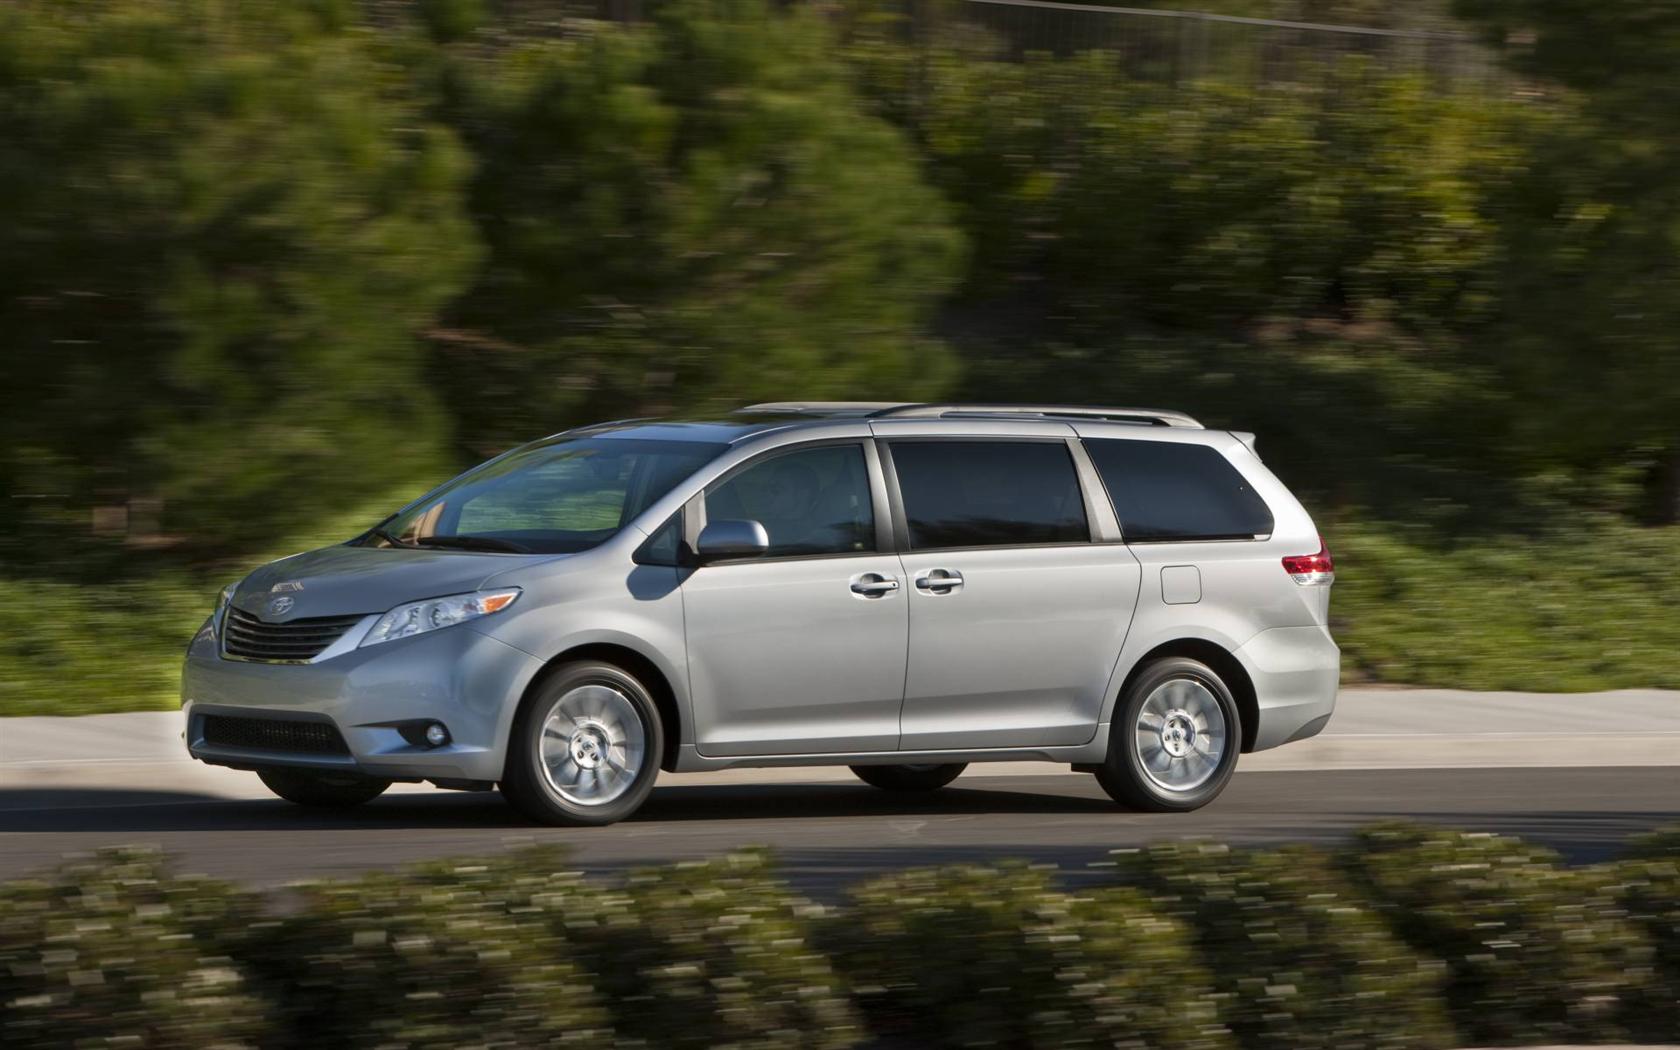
(274, 734)
(246, 636)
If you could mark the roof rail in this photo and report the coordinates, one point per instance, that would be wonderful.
(1149, 416)
(1158, 417)
(820, 408)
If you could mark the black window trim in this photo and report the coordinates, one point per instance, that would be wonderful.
(1255, 537)
(642, 554)
(694, 511)
(901, 522)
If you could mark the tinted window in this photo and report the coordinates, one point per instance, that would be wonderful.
(1168, 491)
(813, 501)
(989, 493)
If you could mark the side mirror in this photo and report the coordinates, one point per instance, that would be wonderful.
(731, 539)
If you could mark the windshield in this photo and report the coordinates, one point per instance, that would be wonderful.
(556, 498)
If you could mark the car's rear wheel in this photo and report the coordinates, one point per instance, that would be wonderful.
(585, 748)
(320, 789)
(923, 777)
(1175, 738)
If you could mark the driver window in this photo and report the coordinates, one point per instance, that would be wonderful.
(811, 501)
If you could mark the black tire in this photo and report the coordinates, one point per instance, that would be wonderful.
(1122, 773)
(526, 782)
(319, 789)
(910, 778)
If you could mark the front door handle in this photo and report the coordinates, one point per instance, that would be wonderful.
(873, 585)
(939, 581)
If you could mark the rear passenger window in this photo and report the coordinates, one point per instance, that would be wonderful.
(1169, 491)
(989, 493)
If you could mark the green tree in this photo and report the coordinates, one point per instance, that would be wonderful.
(221, 224)
(1297, 258)
(1591, 320)
(685, 215)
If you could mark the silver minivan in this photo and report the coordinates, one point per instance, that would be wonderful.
(899, 588)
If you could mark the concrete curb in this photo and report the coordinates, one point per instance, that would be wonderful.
(1372, 729)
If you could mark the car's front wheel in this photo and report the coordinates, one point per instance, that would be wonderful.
(320, 789)
(585, 748)
(1175, 738)
(926, 777)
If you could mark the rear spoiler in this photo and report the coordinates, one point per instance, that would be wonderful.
(1247, 439)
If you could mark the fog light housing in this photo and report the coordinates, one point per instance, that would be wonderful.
(417, 732)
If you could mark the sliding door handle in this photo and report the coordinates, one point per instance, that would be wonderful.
(873, 585)
(939, 581)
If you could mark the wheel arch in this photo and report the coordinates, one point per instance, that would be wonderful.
(636, 663)
(1224, 663)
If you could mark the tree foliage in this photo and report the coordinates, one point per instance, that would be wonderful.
(1488, 266)
(260, 262)
(1592, 301)
(692, 213)
(221, 224)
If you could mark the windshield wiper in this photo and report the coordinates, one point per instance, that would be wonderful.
(379, 533)
(477, 543)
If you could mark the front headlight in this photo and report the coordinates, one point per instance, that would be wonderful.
(429, 615)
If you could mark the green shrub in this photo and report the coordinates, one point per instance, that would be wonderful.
(116, 951)
(1298, 960)
(992, 956)
(394, 960)
(1662, 844)
(729, 961)
(519, 951)
(715, 954)
(1649, 885)
(1535, 952)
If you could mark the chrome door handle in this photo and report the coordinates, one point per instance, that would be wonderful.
(945, 584)
(873, 585)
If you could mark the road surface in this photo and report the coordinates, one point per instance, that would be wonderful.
(1580, 773)
(827, 834)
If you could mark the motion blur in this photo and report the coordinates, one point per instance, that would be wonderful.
(267, 268)
(270, 269)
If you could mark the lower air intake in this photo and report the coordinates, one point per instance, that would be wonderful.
(274, 734)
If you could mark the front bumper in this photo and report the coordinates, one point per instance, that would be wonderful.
(467, 680)
(1295, 671)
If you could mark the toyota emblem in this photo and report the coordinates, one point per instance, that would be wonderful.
(281, 605)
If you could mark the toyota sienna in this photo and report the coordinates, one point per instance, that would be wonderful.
(900, 588)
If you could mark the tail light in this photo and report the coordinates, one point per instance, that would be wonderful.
(1311, 569)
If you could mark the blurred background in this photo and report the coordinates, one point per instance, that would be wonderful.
(270, 269)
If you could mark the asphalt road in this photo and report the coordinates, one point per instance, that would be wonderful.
(828, 834)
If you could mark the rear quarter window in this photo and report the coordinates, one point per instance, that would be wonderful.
(1163, 490)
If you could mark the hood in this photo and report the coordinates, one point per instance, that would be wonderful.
(343, 581)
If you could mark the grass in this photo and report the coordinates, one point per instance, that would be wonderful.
(1588, 610)
(67, 650)
(70, 649)
(1585, 610)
